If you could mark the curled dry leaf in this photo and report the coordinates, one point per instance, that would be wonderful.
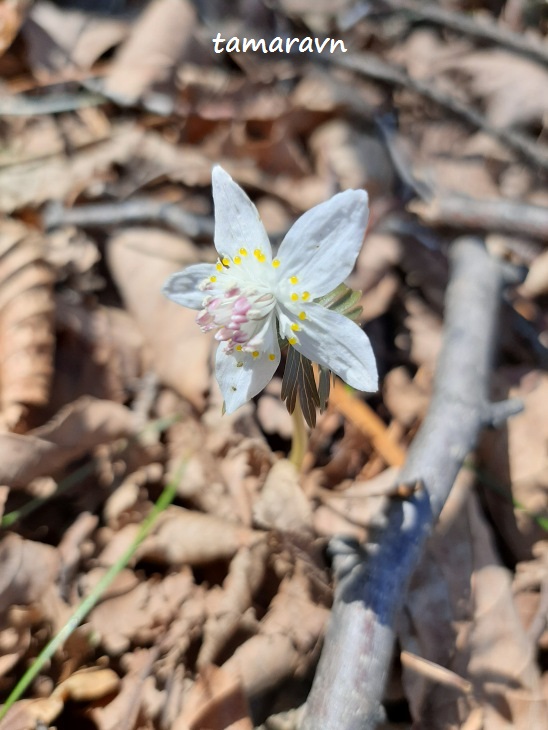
(141, 259)
(26, 322)
(74, 431)
(282, 504)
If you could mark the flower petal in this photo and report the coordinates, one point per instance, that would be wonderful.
(322, 246)
(182, 287)
(240, 384)
(332, 340)
(237, 222)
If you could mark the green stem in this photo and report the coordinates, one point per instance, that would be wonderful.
(299, 444)
(164, 500)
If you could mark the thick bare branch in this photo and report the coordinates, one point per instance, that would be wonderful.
(372, 580)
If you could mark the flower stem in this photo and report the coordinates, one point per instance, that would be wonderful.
(299, 444)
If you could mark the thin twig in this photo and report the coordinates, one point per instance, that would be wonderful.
(373, 67)
(348, 688)
(138, 210)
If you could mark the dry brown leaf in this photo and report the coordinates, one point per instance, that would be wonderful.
(99, 352)
(514, 87)
(29, 568)
(182, 537)
(158, 42)
(358, 160)
(123, 711)
(61, 39)
(216, 702)
(282, 504)
(288, 644)
(516, 458)
(228, 606)
(74, 431)
(141, 259)
(406, 398)
(55, 178)
(12, 14)
(26, 323)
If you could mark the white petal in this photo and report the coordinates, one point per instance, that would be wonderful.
(322, 246)
(240, 384)
(335, 341)
(237, 222)
(182, 287)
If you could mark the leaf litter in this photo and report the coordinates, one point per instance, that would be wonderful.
(218, 620)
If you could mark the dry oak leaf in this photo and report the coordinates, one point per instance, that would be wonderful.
(75, 430)
(27, 337)
(140, 260)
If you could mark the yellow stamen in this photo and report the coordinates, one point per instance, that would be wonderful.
(294, 280)
(276, 263)
(243, 251)
(305, 295)
(257, 253)
(272, 357)
(292, 340)
(219, 266)
(237, 260)
(213, 279)
(302, 315)
(255, 353)
(262, 258)
(295, 327)
(294, 297)
(226, 262)
(239, 348)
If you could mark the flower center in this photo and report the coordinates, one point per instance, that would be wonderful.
(237, 308)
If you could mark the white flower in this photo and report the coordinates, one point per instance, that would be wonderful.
(248, 298)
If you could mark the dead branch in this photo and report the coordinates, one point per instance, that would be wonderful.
(372, 579)
(468, 25)
(139, 210)
(374, 68)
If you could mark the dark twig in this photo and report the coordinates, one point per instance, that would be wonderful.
(348, 688)
(139, 210)
(374, 68)
(468, 25)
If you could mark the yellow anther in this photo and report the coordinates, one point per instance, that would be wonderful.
(239, 348)
(305, 295)
(294, 297)
(262, 258)
(292, 340)
(257, 253)
(276, 263)
(255, 353)
(225, 261)
(213, 279)
(294, 280)
(295, 327)
(219, 266)
(237, 260)
(272, 357)
(302, 315)
(243, 251)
